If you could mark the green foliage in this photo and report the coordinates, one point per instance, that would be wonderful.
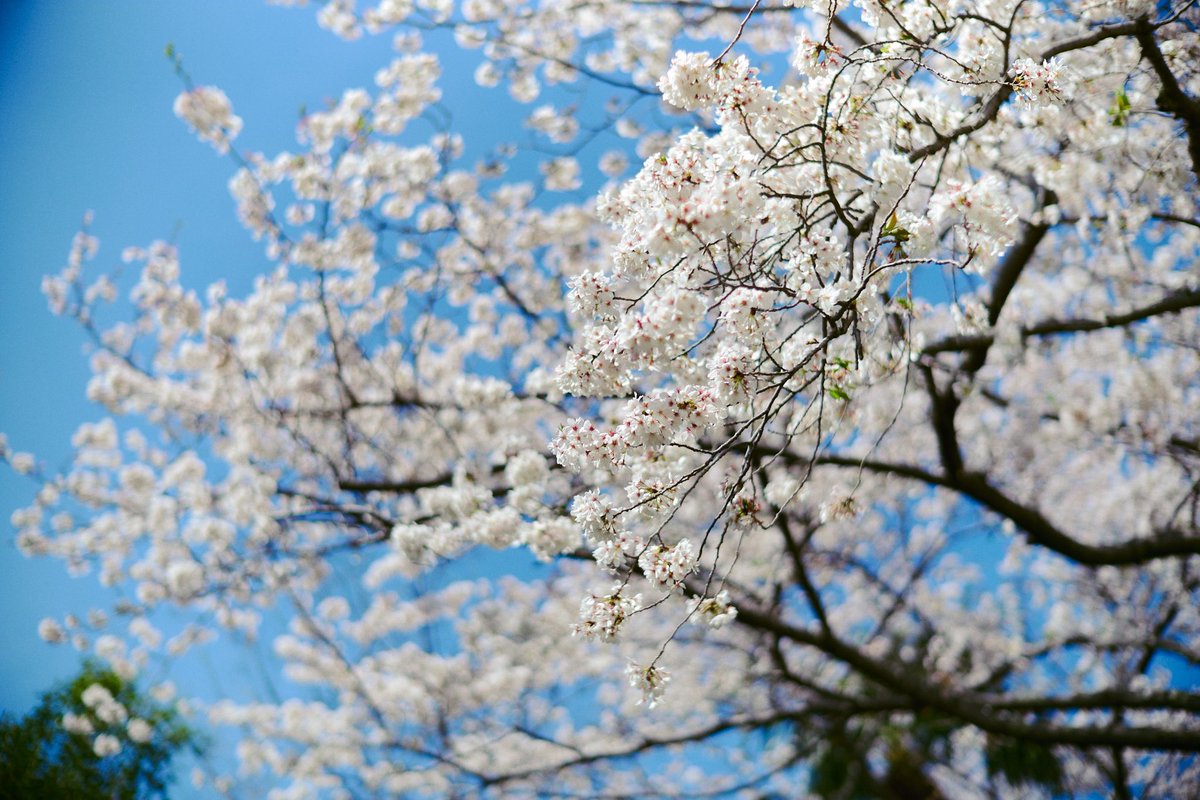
(838, 771)
(931, 732)
(842, 770)
(895, 230)
(1024, 763)
(1118, 113)
(897, 233)
(40, 759)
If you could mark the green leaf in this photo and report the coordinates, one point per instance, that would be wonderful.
(1118, 112)
(894, 229)
(837, 393)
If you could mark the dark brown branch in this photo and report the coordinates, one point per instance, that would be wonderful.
(943, 406)
(1095, 37)
(1106, 699)
(1040, 530)
(1007, 274)
(751, 723)
(992, 106)
(1172, 99)
(1172, 303)
(395, 487)
(969, 707)
(986, 114)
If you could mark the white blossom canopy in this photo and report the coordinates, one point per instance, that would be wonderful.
(858, 428)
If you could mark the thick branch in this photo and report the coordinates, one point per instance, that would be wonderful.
(968, 707)
(394, 487)
(1040, 530)
(1172, 99)
(1106, 699)
(1172, 303)
(1009, 271)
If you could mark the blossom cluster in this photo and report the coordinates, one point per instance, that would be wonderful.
(724, 376)
(210, 114)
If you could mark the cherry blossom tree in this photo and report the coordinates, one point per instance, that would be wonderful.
(855, 431)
